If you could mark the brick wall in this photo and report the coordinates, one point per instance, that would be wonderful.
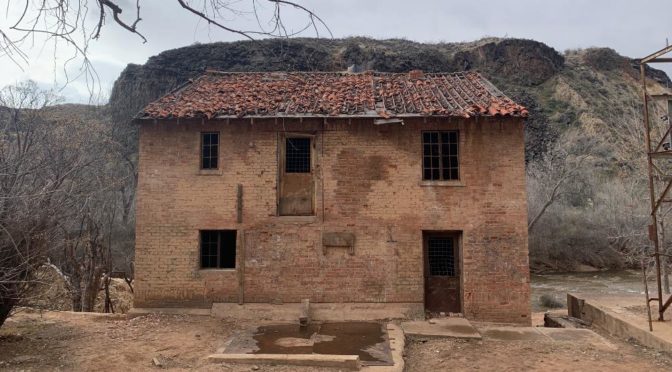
(368, 182)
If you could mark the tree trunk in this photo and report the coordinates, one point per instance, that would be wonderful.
(76, 291)
(108, 303)
(91, 289)
(6, 306)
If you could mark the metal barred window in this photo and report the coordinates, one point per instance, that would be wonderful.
(440, 155)
(297, 155)
(209, 150)
(441, 256)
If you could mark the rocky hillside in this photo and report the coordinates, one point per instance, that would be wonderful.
(574, 88)
(584, 104)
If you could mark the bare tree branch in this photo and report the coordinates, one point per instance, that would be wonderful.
(66, 24)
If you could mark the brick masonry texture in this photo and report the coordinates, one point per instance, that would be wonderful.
(368, 182)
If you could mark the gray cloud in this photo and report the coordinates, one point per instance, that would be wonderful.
(632, 28)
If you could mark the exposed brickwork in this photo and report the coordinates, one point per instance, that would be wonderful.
(368, 183)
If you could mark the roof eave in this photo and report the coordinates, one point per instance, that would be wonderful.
(325, 116)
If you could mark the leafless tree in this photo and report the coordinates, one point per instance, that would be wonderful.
(61, 195)
(29, 191)
(73, 24)
(555, 175)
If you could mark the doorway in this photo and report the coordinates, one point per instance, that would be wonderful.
(443, 292)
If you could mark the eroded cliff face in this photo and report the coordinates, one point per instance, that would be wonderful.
(522, 62)
(561, 90)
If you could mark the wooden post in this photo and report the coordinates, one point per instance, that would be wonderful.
(239, 204)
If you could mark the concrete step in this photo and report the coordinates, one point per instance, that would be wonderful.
(442, 327)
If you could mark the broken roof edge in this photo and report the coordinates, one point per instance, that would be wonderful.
(322, 116)
(473, 110)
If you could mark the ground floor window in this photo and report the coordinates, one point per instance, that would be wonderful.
(218, 249)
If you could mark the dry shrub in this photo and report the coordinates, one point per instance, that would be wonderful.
(50, 292)
(120, 295)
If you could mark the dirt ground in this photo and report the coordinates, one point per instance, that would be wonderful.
(62, 341)
(492, 355)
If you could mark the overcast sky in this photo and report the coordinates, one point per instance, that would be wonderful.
(634, 28)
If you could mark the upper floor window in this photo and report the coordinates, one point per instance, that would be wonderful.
(440, 156)
(209, 150)
(297, 155)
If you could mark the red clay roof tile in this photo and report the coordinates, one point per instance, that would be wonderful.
(288, 94)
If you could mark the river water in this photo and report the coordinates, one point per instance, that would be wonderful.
(603, 282)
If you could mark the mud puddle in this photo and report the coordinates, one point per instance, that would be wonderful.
(369, 340)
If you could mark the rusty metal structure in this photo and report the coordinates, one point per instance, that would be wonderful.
(658, 138)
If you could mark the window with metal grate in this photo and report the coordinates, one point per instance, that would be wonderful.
(297, 155)
(441, 256)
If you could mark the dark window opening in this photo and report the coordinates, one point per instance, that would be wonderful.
(440, 156)
(297, 155)
(218, 249)
(209, 150)
(441, 256)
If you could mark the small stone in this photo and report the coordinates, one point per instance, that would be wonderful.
(255, 368)
(156, 362)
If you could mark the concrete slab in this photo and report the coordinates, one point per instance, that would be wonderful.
(623, 317)
(442, 327)
(313, 360)
(514, 334)
(576, 335)
(169, 310)
(319, 311)
(397, 344)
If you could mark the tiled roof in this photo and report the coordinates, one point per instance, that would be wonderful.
(369, 94)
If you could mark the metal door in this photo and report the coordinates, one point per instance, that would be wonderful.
(442, 276)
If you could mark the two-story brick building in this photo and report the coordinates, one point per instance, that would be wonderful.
(371, 188)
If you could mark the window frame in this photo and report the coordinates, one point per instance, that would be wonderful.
(310, 140)
(441, 179)
(219, 249)
(201, 148)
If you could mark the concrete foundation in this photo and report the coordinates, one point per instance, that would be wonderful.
(447, 327)
(169, 310)
(319, 311)
(313, 360)
(623, 317)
